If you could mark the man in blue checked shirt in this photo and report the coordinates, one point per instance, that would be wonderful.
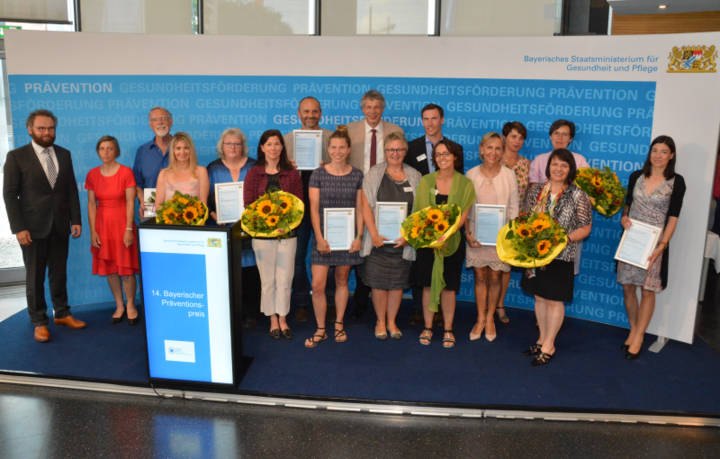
(152, 157)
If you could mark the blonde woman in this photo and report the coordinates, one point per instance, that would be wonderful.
(183, 173)
(494, 185)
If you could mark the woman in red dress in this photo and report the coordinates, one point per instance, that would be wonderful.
(111, 212)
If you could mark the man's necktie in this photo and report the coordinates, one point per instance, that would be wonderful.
(373, 148)
(51, 171)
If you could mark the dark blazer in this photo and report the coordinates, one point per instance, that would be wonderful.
(417, 148)
(30, 202)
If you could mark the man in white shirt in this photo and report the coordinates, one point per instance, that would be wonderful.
(43, 207)
(367, 136)
(562, 133)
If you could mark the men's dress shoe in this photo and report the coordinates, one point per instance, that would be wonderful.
(301, 315)
(70, 322)
(42, 334)
(359, 312)
(415, 318)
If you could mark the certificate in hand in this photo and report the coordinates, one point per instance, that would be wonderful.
(637, 244)
(339, 228)
(149, 201)
(229, 204)
(388, 218)
(308, 149)
(489, 220)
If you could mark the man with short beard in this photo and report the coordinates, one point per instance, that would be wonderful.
(309, 114)
(152, 157)
(41, 199)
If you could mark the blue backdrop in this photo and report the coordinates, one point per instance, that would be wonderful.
(613, 119)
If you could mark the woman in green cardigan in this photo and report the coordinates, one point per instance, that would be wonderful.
(439, 271)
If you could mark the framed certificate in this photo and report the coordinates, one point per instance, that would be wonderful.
(308, 149)
(149, 202)
(339, 228)
(229, 204)
(637, 244)
(489, 219)
(388, 218)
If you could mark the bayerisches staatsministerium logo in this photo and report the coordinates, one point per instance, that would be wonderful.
(692, 59)
(214, 242)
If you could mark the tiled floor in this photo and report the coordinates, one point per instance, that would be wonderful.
(52, 423)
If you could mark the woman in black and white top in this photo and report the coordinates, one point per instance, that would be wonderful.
(553, 284)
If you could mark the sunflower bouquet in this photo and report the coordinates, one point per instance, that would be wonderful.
(182, 209)
(273, 215)
(431, 226)
(607, 195)
(531, 241)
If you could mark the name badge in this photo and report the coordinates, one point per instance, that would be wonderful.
(421, 157)
(407, 189)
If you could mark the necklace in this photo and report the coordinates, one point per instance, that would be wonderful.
(489, 179)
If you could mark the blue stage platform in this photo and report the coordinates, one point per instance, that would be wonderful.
(588, 372)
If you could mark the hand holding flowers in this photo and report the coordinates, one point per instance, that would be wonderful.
(606, 193)
(531, 240)
(182, 209)
(273, 215)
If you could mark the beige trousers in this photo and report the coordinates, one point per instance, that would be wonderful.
(276, 263)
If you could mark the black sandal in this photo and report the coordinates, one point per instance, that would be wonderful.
(448, 342)
(428, 338)
(541, 359)
(340, 333)
(287, 333)
(502, 318)
(534, 349)
(313, 341)
(275, 333)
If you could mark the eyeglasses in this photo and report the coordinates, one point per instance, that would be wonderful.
(45, 129)
(560, 134)
(443, 155)
(392, 151)
(164, 118)
(232, 144)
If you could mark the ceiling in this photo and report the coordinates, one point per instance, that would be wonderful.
(673, 6)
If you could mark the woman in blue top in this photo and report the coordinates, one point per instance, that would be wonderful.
(232, 166)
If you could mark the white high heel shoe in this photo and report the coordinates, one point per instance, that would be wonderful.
(474, 337)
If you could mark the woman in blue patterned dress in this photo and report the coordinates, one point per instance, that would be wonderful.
(334, 185)
(655, 196)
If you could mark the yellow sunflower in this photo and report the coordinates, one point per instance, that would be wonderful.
(434, 215)
(523, 231)
(183, 201)
(441, 226)
(414, 232)
(285, 204)
(597, 181)
(272, 220)
(543, 247)
(264, 208)
(169, 216)
(190, 213)
(540, 224)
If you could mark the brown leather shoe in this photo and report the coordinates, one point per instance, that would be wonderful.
(42, 334)
(71, 322)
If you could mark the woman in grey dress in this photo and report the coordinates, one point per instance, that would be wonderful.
(655, 195)
(387, 263)
(334, 185)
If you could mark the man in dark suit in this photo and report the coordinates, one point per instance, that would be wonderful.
(41, 199)
(419, 156)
